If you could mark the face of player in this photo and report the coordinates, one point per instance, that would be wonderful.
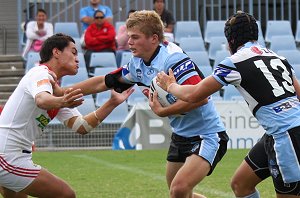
(140, 45)
(68, 60)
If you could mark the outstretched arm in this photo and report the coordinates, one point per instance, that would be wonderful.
(96, 84)
(188, 93)
(92, 85)
(71, 98)
(88, 122)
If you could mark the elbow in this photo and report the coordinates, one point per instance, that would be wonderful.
(205, 101)
(82, 131)
(161, 114)
(40, 103)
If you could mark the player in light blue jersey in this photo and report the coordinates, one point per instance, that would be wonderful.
(268, 84)
(199, 140)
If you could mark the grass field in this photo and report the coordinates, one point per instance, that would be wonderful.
(134, 174)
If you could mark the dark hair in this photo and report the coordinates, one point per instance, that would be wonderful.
(154, 1)
(130, 11)
(239, 29)
(97, 11)
(41, 10)
(59, 41)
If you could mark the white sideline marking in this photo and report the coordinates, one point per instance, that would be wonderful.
(218, 193)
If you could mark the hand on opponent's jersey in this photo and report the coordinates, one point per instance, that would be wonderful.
(164, 80)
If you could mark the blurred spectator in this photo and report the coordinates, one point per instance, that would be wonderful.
(37, 32)
(166, 17)
(99, 36)
(87, 13)
(122, 40)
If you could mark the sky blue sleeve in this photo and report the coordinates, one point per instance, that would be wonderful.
(108, 12)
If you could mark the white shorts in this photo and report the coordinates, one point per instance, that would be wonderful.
(17, 170)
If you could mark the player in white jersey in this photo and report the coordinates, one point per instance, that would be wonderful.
(199, 140)
(30, 108)
(268, 84)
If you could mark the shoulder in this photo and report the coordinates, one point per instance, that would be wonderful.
(167, 12)
(173, 53)
(38, 70)
(31, 23)
(87, 8)
(172, 47)
(104, 8)
(48, 24)
(92, 26)
(107, 24)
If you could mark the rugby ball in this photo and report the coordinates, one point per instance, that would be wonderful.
(164, 98)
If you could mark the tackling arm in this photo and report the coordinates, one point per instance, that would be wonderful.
(97, 84)
(71, 98)
(84, 124)
(188, 93)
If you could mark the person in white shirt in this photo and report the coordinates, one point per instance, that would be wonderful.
(37, 32)
(30, 108)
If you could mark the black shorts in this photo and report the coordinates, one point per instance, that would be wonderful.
(182, 147)
(263, 152)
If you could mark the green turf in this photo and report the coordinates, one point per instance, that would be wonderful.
(134, 174)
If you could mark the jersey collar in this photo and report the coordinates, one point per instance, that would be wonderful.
(148, 63)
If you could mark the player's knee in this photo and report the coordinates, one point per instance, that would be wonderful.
(235, 185)
(241, 189)
(238, 187)
(69, 193)
(179, 189)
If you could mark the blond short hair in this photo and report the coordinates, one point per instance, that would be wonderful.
(148, 22)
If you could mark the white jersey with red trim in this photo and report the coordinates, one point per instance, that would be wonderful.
(21, 120)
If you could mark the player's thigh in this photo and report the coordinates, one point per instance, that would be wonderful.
(7, 193)
(193, 171)
(48, 185)
(172, 169)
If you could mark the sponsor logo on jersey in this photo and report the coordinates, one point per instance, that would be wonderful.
(256, 50)
(150, 71)
(282, 107)
(170, 98)
(273, 169)
(43, 121)
(184, 67)
(43, 82)
(139, 73)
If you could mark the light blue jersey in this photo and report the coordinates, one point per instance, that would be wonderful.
(200, 121)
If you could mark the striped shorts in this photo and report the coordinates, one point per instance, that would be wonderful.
(17, 170)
